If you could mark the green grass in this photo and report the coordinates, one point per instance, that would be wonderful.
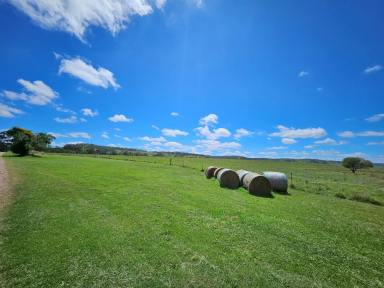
(93, 222)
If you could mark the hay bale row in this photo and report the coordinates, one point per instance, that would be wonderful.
(209, 172)
(257, 184)
(279, 181)
(228, 179)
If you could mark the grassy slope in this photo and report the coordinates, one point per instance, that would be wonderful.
(88, 222)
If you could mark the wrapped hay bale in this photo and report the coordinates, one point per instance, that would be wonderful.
(228, 179)
(209, 172)
(241, 174)
(257, 184)
(279, 181)
(217, 171)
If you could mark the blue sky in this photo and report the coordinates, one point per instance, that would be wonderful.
(296, 79)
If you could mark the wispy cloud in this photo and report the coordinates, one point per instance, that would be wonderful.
(173, 132)
(175, 114)
(83, 135)
(288, 141)
(68, 120)
(104, 135)
(373, 69)
(302, 74)
(120, 118)
(293, 133)
(82, 70)
(351, 134)
(76, 17)
(376, 143)
(8, 111)
(241, 132)
(36, 93)
(375, 118)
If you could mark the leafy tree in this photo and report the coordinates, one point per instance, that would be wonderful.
(356, 163)
(41, 141)
(22, 141)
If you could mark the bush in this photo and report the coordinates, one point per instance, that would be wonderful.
(340, 195)
(365, 199)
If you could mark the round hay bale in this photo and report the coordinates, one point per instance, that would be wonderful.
(217, 171)
(241, 174)
(278, 180)
(257, 184)
(228, 179)
(210, 171)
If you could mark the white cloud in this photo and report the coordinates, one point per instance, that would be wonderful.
(61, 108)
(209, 119)
(242, 133)
(173, 145)
(104, 135)
(69, 120)
(89, 112)
(37, 93)
(350, 134)
(153, 139)
(173, 132)
(375, 118)
(208, 146)
(160, 3)
(214, 134)
(277, 148)
(198, 3)
(127, 139)
(78, 68)
(309, 147)
(302, 74)
(120, 118)
(288, 141)
(71, 135)
(373, 69)
(8, 111)
(155, 127)
(293, 133)
(75, 17)
(327, 141)
(175, 114)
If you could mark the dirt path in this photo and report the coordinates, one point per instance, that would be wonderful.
(4, 184)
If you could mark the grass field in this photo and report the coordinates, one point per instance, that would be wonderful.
(80, 221)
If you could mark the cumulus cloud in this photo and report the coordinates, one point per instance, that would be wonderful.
(89, 112)
(75, 17)
(209, 119)
(302, 74)
(351, 134)
(79, 68)
(36, 93)
(69, 120)
(288, 141)
(120, 118)
(213, 134)
(373, 69)
(375, 118)
(292, 133)
(173, 132)
(8, 111)
(242, 133)
(175, 114)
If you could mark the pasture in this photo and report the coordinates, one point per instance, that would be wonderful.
(119, 221)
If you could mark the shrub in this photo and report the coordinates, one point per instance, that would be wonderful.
(340, 195)
(365, 199)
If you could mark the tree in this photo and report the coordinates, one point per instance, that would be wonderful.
(21, 141)
(356, 163)
(41, 141)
